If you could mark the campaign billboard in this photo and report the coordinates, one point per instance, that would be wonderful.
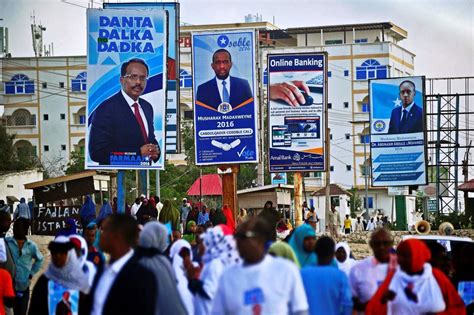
(172, 65)
(397, 131)
(296, 111)
(225, 113)
(126, 88)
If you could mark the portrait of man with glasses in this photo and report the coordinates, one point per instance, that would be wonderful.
(122, 125)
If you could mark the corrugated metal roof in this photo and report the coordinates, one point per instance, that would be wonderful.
(211, 186)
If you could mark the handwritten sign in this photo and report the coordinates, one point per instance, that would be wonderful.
(50, 220)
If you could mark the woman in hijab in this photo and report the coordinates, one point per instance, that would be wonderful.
(303, 242)
(218, 217)
(87, 212)
(343, 257)
(169, 214)
(181, 255)
(282, 249)
(193, 214)
(80, 245)
(63, 278)
(147, 212)
(415, 287)
(189, 234)
(104, 212)
(220, 252)
(151, 246)
(229, 215)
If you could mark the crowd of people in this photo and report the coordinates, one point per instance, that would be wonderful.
(158, 259)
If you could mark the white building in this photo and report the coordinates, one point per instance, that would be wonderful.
(12, 185)
(45, 106)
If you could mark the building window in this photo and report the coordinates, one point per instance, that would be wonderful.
(46, 148)
(185, 79)
(61, 85)
(371, 69)
(265, 76)
(346, 73)
(44, 85)
(330, 136)
(62, 116)
(364, 139)
(365, 108)
(21, 117)
(45, 117)
(361, 40)
(348, 167)
(19, 84)
(365, 168)
(333, 42)
(79, 84)
(318, 174)
(348, 136)
(329, 74)
(346, 104)
(63, 147)
(371, 203)
(331, 168)
(329, 105)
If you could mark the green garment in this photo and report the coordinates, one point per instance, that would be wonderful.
(282, 249)
(218, 217)
(169, 214)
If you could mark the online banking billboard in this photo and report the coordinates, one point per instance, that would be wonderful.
(296, 104)
(126, 100)
(397, 131)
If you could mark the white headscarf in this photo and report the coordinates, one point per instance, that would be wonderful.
(71, 275)
(347, 264)
(186, 295)
(87, 266)
(219, 246)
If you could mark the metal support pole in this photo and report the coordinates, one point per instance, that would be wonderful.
(158, 190)
(121, 192)
(438, 148)
(456, 156)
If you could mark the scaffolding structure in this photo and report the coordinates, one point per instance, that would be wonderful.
(450, 130)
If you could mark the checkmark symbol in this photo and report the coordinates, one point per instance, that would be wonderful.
(240, 153)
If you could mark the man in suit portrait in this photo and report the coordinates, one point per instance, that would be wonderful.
(407, 118)
(223, 92)
(124, 122)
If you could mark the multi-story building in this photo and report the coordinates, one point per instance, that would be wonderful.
(44, 98)
(44, 103)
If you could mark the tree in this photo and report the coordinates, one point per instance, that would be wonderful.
(9, 159)
(356, 202)
(76, 163)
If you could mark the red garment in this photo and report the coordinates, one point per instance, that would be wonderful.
(140, 122)
(229, 215)
(152, 202)
(375, 305)
(420, 254)
(418, 251)
(6, 288)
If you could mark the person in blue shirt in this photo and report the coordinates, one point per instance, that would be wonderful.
(327, 288)
(28, 260)
(203, 216)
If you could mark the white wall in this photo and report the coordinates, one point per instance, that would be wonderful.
(12, 184)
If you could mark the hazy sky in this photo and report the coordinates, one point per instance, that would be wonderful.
(440, 32)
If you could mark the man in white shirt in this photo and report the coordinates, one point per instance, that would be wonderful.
(366, 276)
(159, 205)
(136, 205)
(124, 286)
(262, 284)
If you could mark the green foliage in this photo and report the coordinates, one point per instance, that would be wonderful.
(459, 221)
(356, 202)
(76, 163)
(9, 159)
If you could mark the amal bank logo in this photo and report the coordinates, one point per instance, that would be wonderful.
(379, 125)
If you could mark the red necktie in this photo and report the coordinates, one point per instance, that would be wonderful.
(140, 122)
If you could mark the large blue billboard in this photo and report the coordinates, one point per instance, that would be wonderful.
(126, 95)
(397, 131)
(172, 88)
(225, 114)
(296, 107)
